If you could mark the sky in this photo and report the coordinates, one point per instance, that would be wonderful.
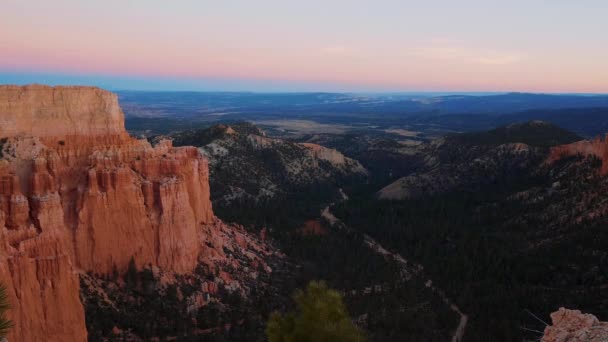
(312, 45)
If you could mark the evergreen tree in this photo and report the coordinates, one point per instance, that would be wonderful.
(321, 317)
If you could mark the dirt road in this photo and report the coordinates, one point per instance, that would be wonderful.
(409, 269)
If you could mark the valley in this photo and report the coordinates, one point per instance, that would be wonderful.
(407, 268)
(446, 180)
(482, 210)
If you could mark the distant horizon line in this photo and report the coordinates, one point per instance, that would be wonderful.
(407, 92)
(141, 83)
(262, 92)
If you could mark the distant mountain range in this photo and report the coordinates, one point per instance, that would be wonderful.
(433, 116)
(221, 103)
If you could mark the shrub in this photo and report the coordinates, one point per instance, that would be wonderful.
(321, 316)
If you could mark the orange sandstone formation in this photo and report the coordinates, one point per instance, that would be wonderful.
(78, 194)
(597, 147)
(38, 110)
(574, 326)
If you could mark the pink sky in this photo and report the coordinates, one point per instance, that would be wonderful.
(551, 46)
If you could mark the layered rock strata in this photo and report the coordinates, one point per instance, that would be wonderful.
(78, 194)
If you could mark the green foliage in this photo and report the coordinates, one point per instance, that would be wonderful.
(5, 323)
(484, 249)
(321, 316)
(152, 310)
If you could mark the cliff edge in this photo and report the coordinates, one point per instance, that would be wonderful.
(42, 111)
(77, 194)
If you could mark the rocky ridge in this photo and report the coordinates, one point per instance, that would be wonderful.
(469, 161)
(247, 165)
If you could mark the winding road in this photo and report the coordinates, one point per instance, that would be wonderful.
(407, 268)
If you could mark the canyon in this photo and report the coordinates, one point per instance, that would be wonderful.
(104, 236)
(78, 196)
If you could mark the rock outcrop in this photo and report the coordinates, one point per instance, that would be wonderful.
(77, 194)
(334, 157)
(597, 147)
(574, 326)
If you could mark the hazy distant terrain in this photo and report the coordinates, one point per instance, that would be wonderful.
(419, 115)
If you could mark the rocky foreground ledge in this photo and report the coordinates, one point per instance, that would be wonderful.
(575, 326)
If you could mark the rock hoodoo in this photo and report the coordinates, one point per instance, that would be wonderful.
(77, 194)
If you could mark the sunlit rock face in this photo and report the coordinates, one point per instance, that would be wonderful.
(77, 194)
(574, 326)
(42, 111)
(597, 147)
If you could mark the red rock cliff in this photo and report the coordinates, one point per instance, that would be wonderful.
(78, 194)
(40, 111)
(596, 147)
